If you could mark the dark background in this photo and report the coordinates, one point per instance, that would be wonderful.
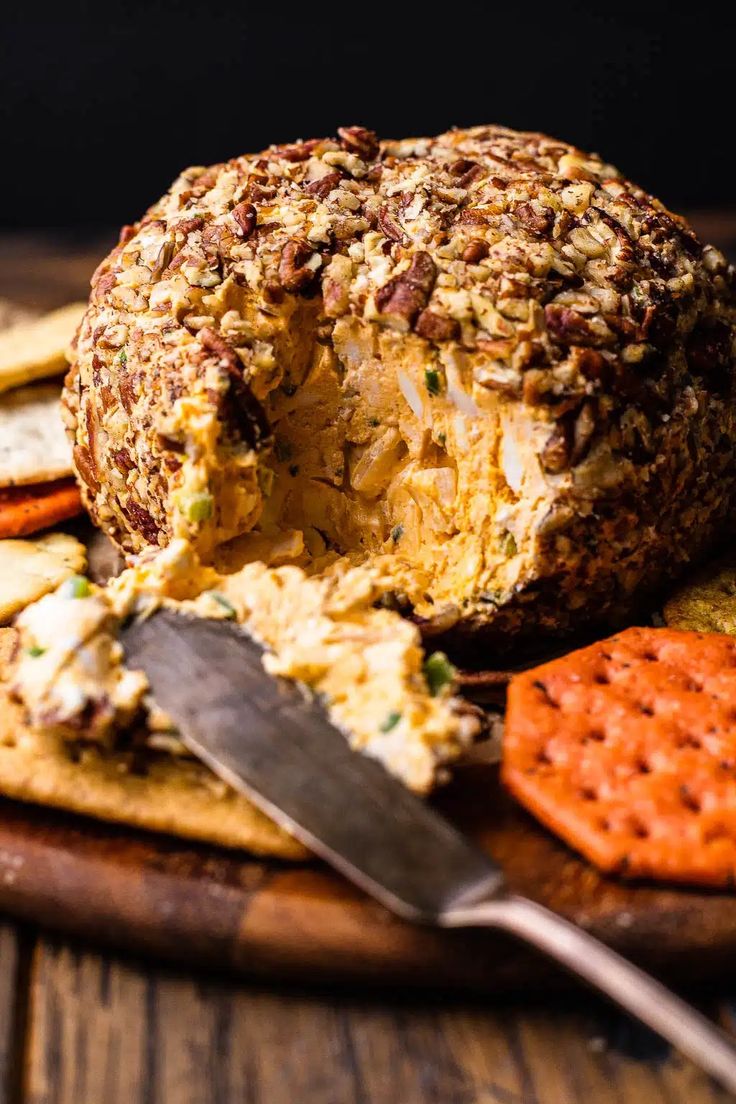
(102, 104)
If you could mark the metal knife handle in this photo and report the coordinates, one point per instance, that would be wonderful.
(604, 969)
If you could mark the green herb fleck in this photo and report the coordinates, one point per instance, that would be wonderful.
(508, 544)
(397, 533)
(222, 601)
(199, 507)
(123, 358)
(34, 651)
(439, 672)
(391, 722)
(282, 450)
(265, 481)
(432, 381)
(374, 422)
(293, 469)
(77, 586)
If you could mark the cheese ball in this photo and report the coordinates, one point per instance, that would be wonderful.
(486, 357)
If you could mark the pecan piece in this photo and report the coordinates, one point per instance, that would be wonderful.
(128, 397)
(537, 222)
(294, 272)
(404, 296)
(461, 166)
(437, 327)
(163, 259)
(359, 140)
(217, 241)
(273, 293)
(473, 216)
(476, 251)
(140, 520)
(260, 192)
(84, 464)
(322, 187)
(213, 343)
(102, 285)
(297, 151)
(188, 225)
(466, 170)
(98, 367)
(582, 433)
(555, 455)
(388, 225)
(591, 364)
(126, 233)
(123, 460)
(567, 326)
(246, 217)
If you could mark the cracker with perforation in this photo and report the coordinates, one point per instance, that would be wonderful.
(36, 349)
(147, 789)
(627, 750)
(31, 568)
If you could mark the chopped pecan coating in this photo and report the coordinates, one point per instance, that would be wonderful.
(476, 251)
(246, 217)
(357, 139)
(322, 187)
(294, 272)
(388, 225)
(436, 327)
(404, 296)
(485, 332)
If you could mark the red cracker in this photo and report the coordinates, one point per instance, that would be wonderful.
(29, 509)
(627, 750)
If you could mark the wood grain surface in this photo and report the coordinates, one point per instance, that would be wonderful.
(104, 1030)
(80, 1026)
(195, 904)
(107, 1030)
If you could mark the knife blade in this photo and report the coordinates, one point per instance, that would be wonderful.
(269, 739)
(273, 742)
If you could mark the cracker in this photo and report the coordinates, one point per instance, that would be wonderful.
(158, 792)
(707, 603)
(25, 510)
(30, 569)
(37, 349)
(12, 314)
(627, 750)
(33, 443)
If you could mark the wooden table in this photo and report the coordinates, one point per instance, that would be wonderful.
(82, 1026)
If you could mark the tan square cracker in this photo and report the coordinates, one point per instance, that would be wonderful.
(31, 568)
(627, 750)
(33, 444)
(163, 793)
(36, 349)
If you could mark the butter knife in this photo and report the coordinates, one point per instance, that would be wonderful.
(269, 739)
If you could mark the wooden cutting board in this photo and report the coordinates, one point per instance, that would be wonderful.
(201, 905)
